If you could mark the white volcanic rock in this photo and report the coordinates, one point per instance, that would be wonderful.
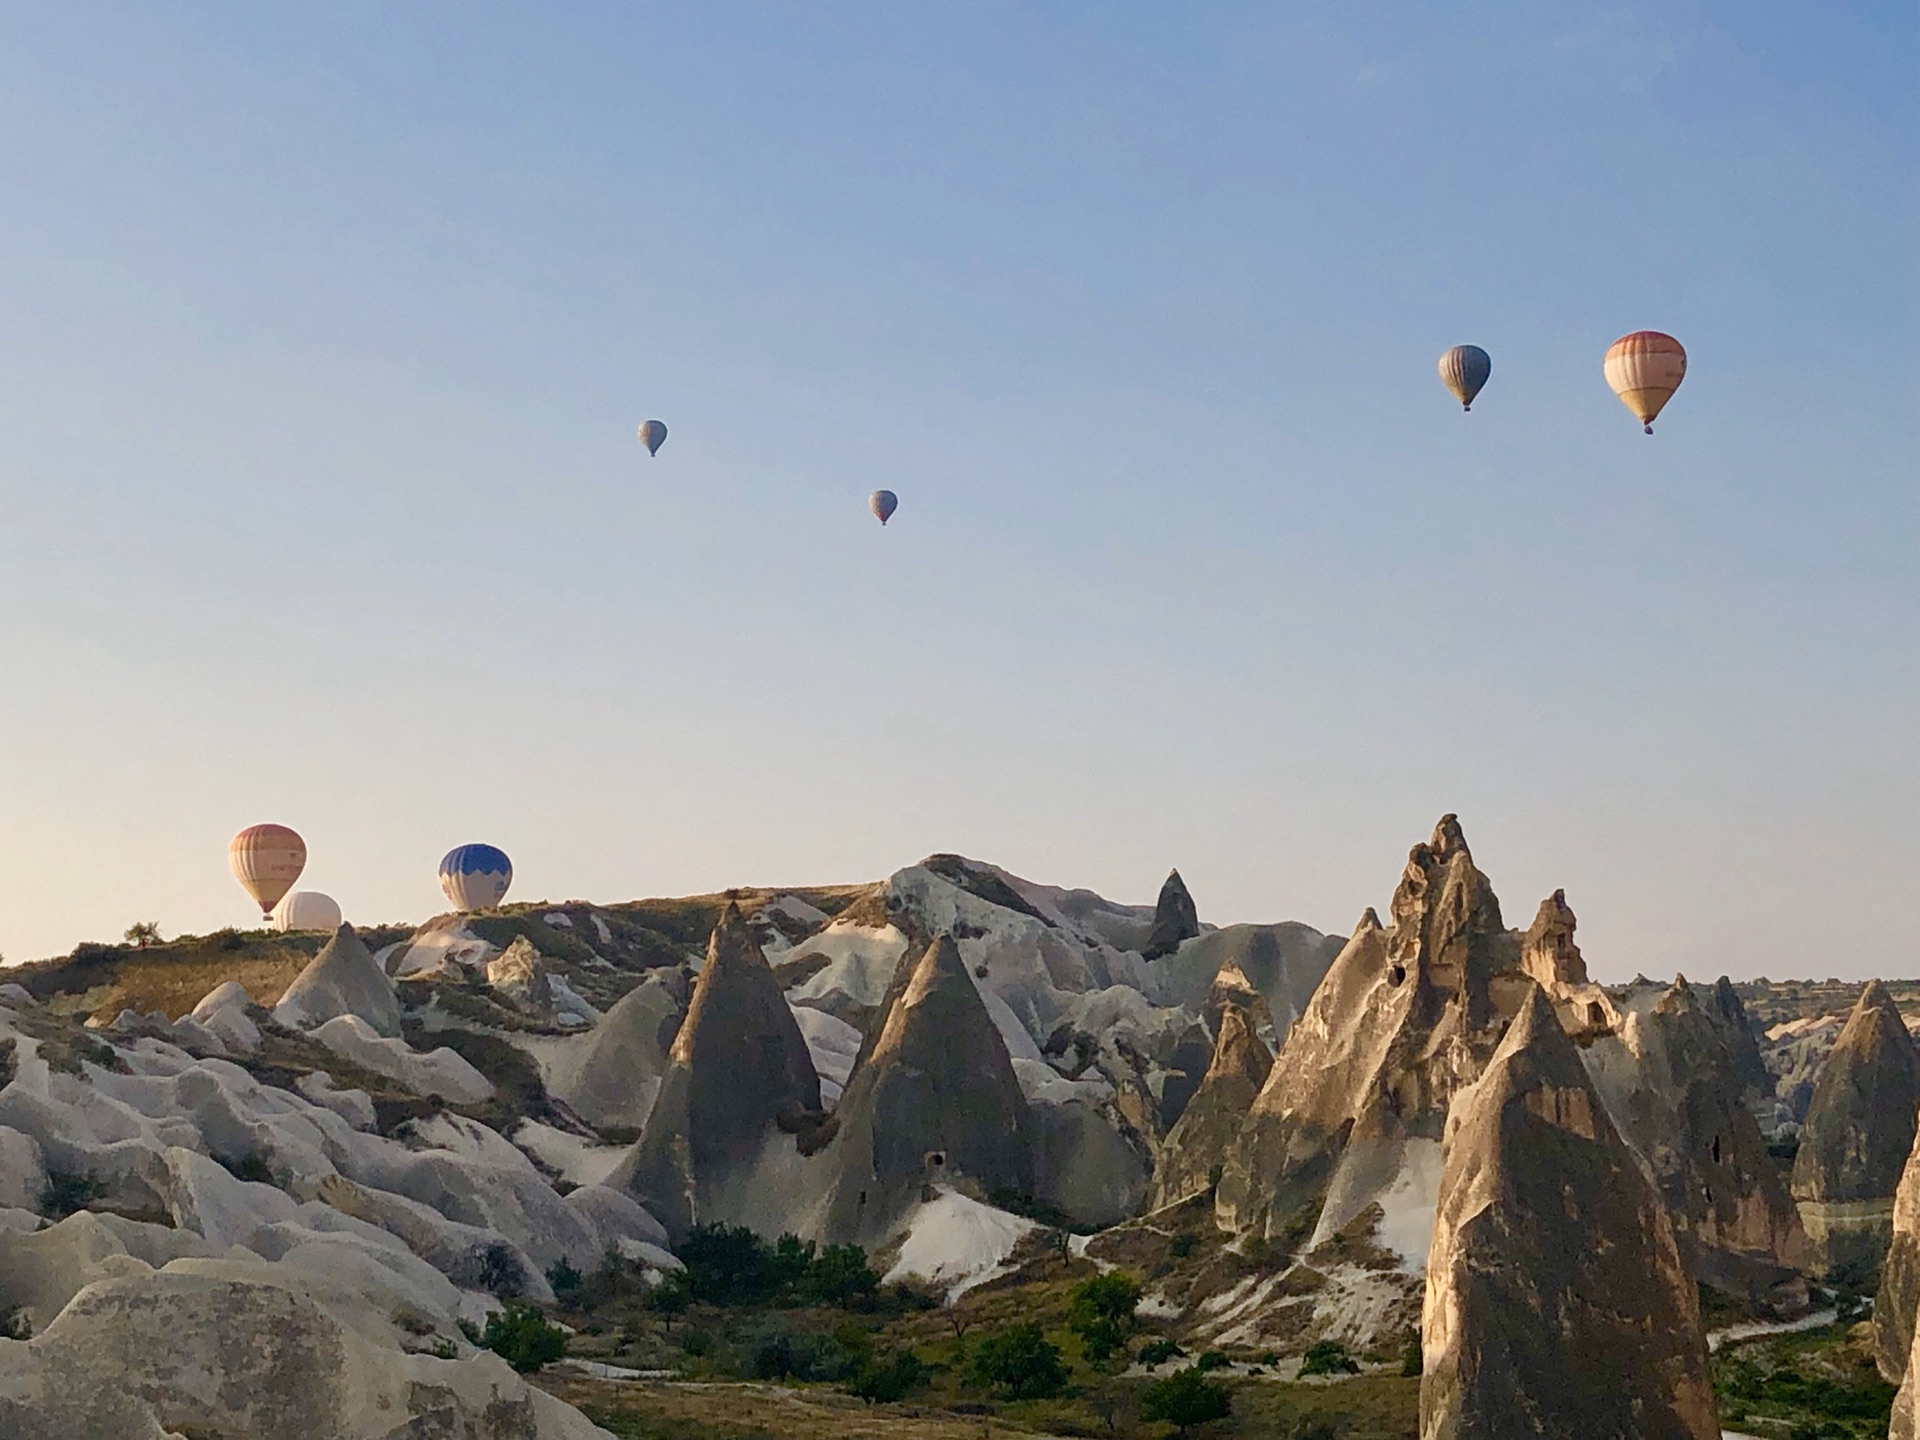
(443, 949)
(834, 1046)
(957, 1243)
(441, 1072)
(353, 1106)
(23, 1173)
(342, 980)
(524, 976)
(861, 961)
(138, 1353)
(229, 1012)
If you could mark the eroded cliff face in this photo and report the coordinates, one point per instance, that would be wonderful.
(1353, 1111)
(1213, 1119)
(1898, 1300)
(1556, 1301)
(740, 1068)
(1858, 1134)
(1671, 1082)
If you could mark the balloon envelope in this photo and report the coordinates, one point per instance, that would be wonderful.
(653, 435)
(1465, 369)
(266, 860)
(883, 503)
(1644, 369)
(475, 877)
(306, 910)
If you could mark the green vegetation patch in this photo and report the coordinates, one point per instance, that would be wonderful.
(1813, 1385)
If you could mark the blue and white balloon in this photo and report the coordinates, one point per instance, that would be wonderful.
(476, 877)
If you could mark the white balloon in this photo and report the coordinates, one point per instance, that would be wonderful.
(307, 910)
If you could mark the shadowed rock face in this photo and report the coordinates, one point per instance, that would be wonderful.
(1672, 1084)
(1898, 1300)
(934, 1101)
(1556, 1301)
(1212, 1120)
(1725, 1007)
(1404, 1019)
(343, 979)
(1175, 918)
(624, 1062)
(1858, 1134)
(739, 1064)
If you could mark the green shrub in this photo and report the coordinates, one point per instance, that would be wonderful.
(1211, 1360)
(1186, 1398)
(1020, 1363)
(522, 1336)
(68, 1194)
(1413, 1360)
(893, 1378)
(1183, 1244)
(1158, 1352)
(564, 1277)
(1328, 1357)
(1101, 1312)
(730, 1265)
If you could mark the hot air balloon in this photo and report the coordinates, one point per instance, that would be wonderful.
(306, 910)
(653, 434)
(475, 877)
(883, 503)
(1465, 369)
(266, 860)
(1644, 369)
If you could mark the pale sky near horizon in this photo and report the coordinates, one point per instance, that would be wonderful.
(324, 332)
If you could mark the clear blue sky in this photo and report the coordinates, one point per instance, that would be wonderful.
(325, 329)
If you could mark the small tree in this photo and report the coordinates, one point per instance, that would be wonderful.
(1328, 1357)
(1019, 1362)
(1186, 1398)
(142, 934)
(670, 1298)
(521, 1336)
(1100, 1312)
(885, 1381)
(1413, 1360)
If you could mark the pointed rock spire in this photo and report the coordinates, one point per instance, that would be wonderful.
(936, 1101)
(1208, 1127)
(1545, 1317)
(1175, 918)
(343, 979)
(1548, 953)
(739, 1064)
(1858, 1133)
(1724, 1005)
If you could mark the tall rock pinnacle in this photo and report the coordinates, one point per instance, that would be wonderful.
(1556, 1301)
(1858, 1133)
(935, 1101)
(1212, 1119)
(738, 1065)
(1175, 918)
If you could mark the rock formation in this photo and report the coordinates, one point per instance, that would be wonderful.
(934, 1102)
(1549, 953)
(524, 976)
(740, 1066)
(1672, 1085)
(343, 979)
(1354, 1108)
(613, 1078)
(1175, 918)
(1556, 1301)
(238, 1346)
(1723, 1004)
(1858, 1134)
(1897, 1303)
(1206, 1131)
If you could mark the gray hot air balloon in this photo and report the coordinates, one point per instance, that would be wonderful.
(883, 503)
(1465, 369)
(653, 434)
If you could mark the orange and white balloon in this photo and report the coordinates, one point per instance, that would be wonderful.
(266, 860)
(1644, 369)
